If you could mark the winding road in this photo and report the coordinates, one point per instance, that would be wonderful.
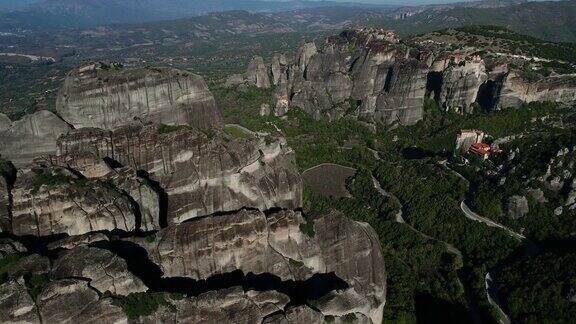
(475, 217)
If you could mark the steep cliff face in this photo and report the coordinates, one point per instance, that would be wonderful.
(363, 73)
(517, 90)
(120, 216)
(105, 270)
(52, 200)
(30, 137)
(107, 97)
(370, 75)
(257, 75)
(199, 175)
(254, 243)
(461, 84)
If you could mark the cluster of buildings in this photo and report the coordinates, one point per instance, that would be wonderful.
(471, 141)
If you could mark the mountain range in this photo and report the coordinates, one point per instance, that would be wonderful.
(83, 13)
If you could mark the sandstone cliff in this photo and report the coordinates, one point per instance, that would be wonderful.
(199, 174)
(254, 243)
(369, 75)
(107, 97)
(257, 75)
(360, 73)
(517, 90)
(30, 137)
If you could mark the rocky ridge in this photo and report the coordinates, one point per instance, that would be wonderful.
(123, 218)
(372, 76)
(107, 96)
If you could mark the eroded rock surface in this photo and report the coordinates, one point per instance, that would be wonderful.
(16, 305)
(104, 270)
(108, 96)
(516, 90)
(461, 84)
(73, 301)
(52, 200)
(199, 175)
(257, 75)
(32, 136)
(358, 73)
(251, 242)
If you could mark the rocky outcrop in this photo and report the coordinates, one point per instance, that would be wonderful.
(517, 207)
(257, 75)
(52, 200)
(16, 305)
(517, 90)
(279, 67)
(5, 203)
(104, 270)
(108, 96)
(5, 122)
(73, 301)
(32, 136)
(198, 175)
(77, 241)
(357, 73)
(232, 305)
(254, 243)
(461, 84)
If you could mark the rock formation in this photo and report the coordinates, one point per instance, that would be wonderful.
(149, 212)
(198, 174)
(461, 84)
(358, 73)
(369, 75)
(279, 67)
(104, 270)
(254, 243)
(231, 305)
(30, 137)
(256, 75)
(516, 90)
(53, 200)
(73, 301)
(5, 122)
(517, 207)
(106, 97)
(16, 304)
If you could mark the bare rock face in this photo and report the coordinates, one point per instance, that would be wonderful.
(256, 75)
(227, 306)
(5, 122)
(51, 200)
(104, 270)
(107, 97)
(231, 306)
(5, 204)
(516, 90)
(73, 301)
(461, 84)
(279, 67)
(402, 98)
(32, 136)
(77, 241)
(197, 174)
(251, 242)
(357, 73)
(16, 305)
